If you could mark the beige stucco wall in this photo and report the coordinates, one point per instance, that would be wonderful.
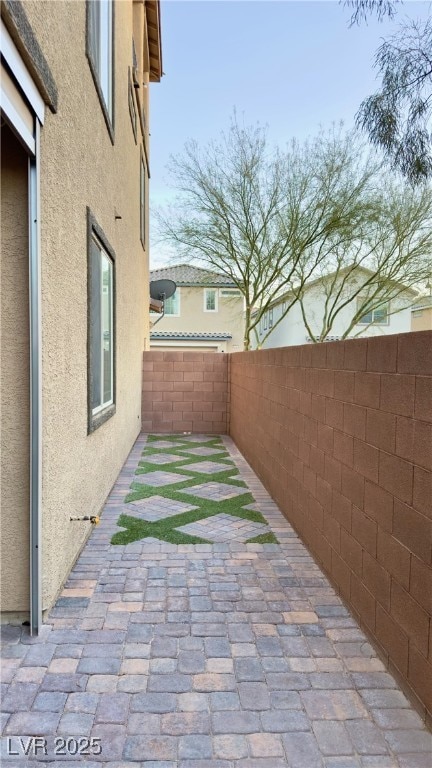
(80, 167)
(14, 367)
(228, 319)
(421, 319)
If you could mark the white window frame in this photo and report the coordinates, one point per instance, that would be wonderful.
(385, 322)
(100, 53)
(215, 292)
(143, 198)
(265, 321)
(177, 294)
(99, 413)
(105, 256)
(270, 312)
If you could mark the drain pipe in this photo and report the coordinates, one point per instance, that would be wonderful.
(35, 389)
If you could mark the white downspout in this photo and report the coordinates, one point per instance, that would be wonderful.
(35, 390)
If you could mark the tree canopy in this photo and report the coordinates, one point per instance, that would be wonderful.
(397, 118)
(361, 9)
(375, 273)
(254, 213)
(272, 220)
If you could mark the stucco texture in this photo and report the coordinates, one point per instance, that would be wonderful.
(81, 167)
(15, 414)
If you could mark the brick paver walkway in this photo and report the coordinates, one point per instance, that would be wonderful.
(222, 655)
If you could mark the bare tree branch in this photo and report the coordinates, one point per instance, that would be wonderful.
(364, 8)
(389, 256)
(257, 214)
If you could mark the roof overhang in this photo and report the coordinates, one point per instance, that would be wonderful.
(154, 39)
(188, 336)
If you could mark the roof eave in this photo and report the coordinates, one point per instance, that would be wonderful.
(205, 285)
(154, 39)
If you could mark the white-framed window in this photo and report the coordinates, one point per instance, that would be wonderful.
(227, 293)
(265, 321)
(101, 328)
(143, 182)
(210, 300)
(377, 316)
(284, 307)
(172, 305)
(100, 17)
(270, 316)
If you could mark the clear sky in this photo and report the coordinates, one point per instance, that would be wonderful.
(288, 64)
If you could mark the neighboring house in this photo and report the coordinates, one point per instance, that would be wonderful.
(391, 317)
(421, 314)
(74, 261)
(206, 313)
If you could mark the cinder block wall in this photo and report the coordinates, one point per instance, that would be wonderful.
(341, 436)
(185, 391)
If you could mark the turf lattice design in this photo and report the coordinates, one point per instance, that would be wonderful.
(215, 491)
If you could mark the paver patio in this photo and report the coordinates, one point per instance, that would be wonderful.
(206, 655)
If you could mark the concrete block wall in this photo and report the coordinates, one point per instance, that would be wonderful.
(341, 435)
(185, 391)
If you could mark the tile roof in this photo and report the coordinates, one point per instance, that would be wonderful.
(185, 274)
(180, 335)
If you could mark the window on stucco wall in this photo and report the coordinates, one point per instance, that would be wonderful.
(101, 327)
(210, 300)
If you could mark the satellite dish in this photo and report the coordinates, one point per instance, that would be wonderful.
(162, 289)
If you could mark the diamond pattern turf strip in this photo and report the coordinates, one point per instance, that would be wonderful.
(196, 492)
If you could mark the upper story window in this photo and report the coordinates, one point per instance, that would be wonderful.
(100, 51)
(210, 300)
(270, 316)
(377, 316)
(143, 181)
(172, 305)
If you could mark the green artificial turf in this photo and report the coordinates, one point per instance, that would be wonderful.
(136, 529)
(263, 538)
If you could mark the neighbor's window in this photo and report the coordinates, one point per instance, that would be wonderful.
(210, 300)
(378, 316)
(265, 321)
(271, 318)
(101, 332)
(100, 50)
(143, 177)
(172, 305)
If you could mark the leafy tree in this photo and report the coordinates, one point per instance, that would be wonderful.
(255, 214)
(397, 117)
